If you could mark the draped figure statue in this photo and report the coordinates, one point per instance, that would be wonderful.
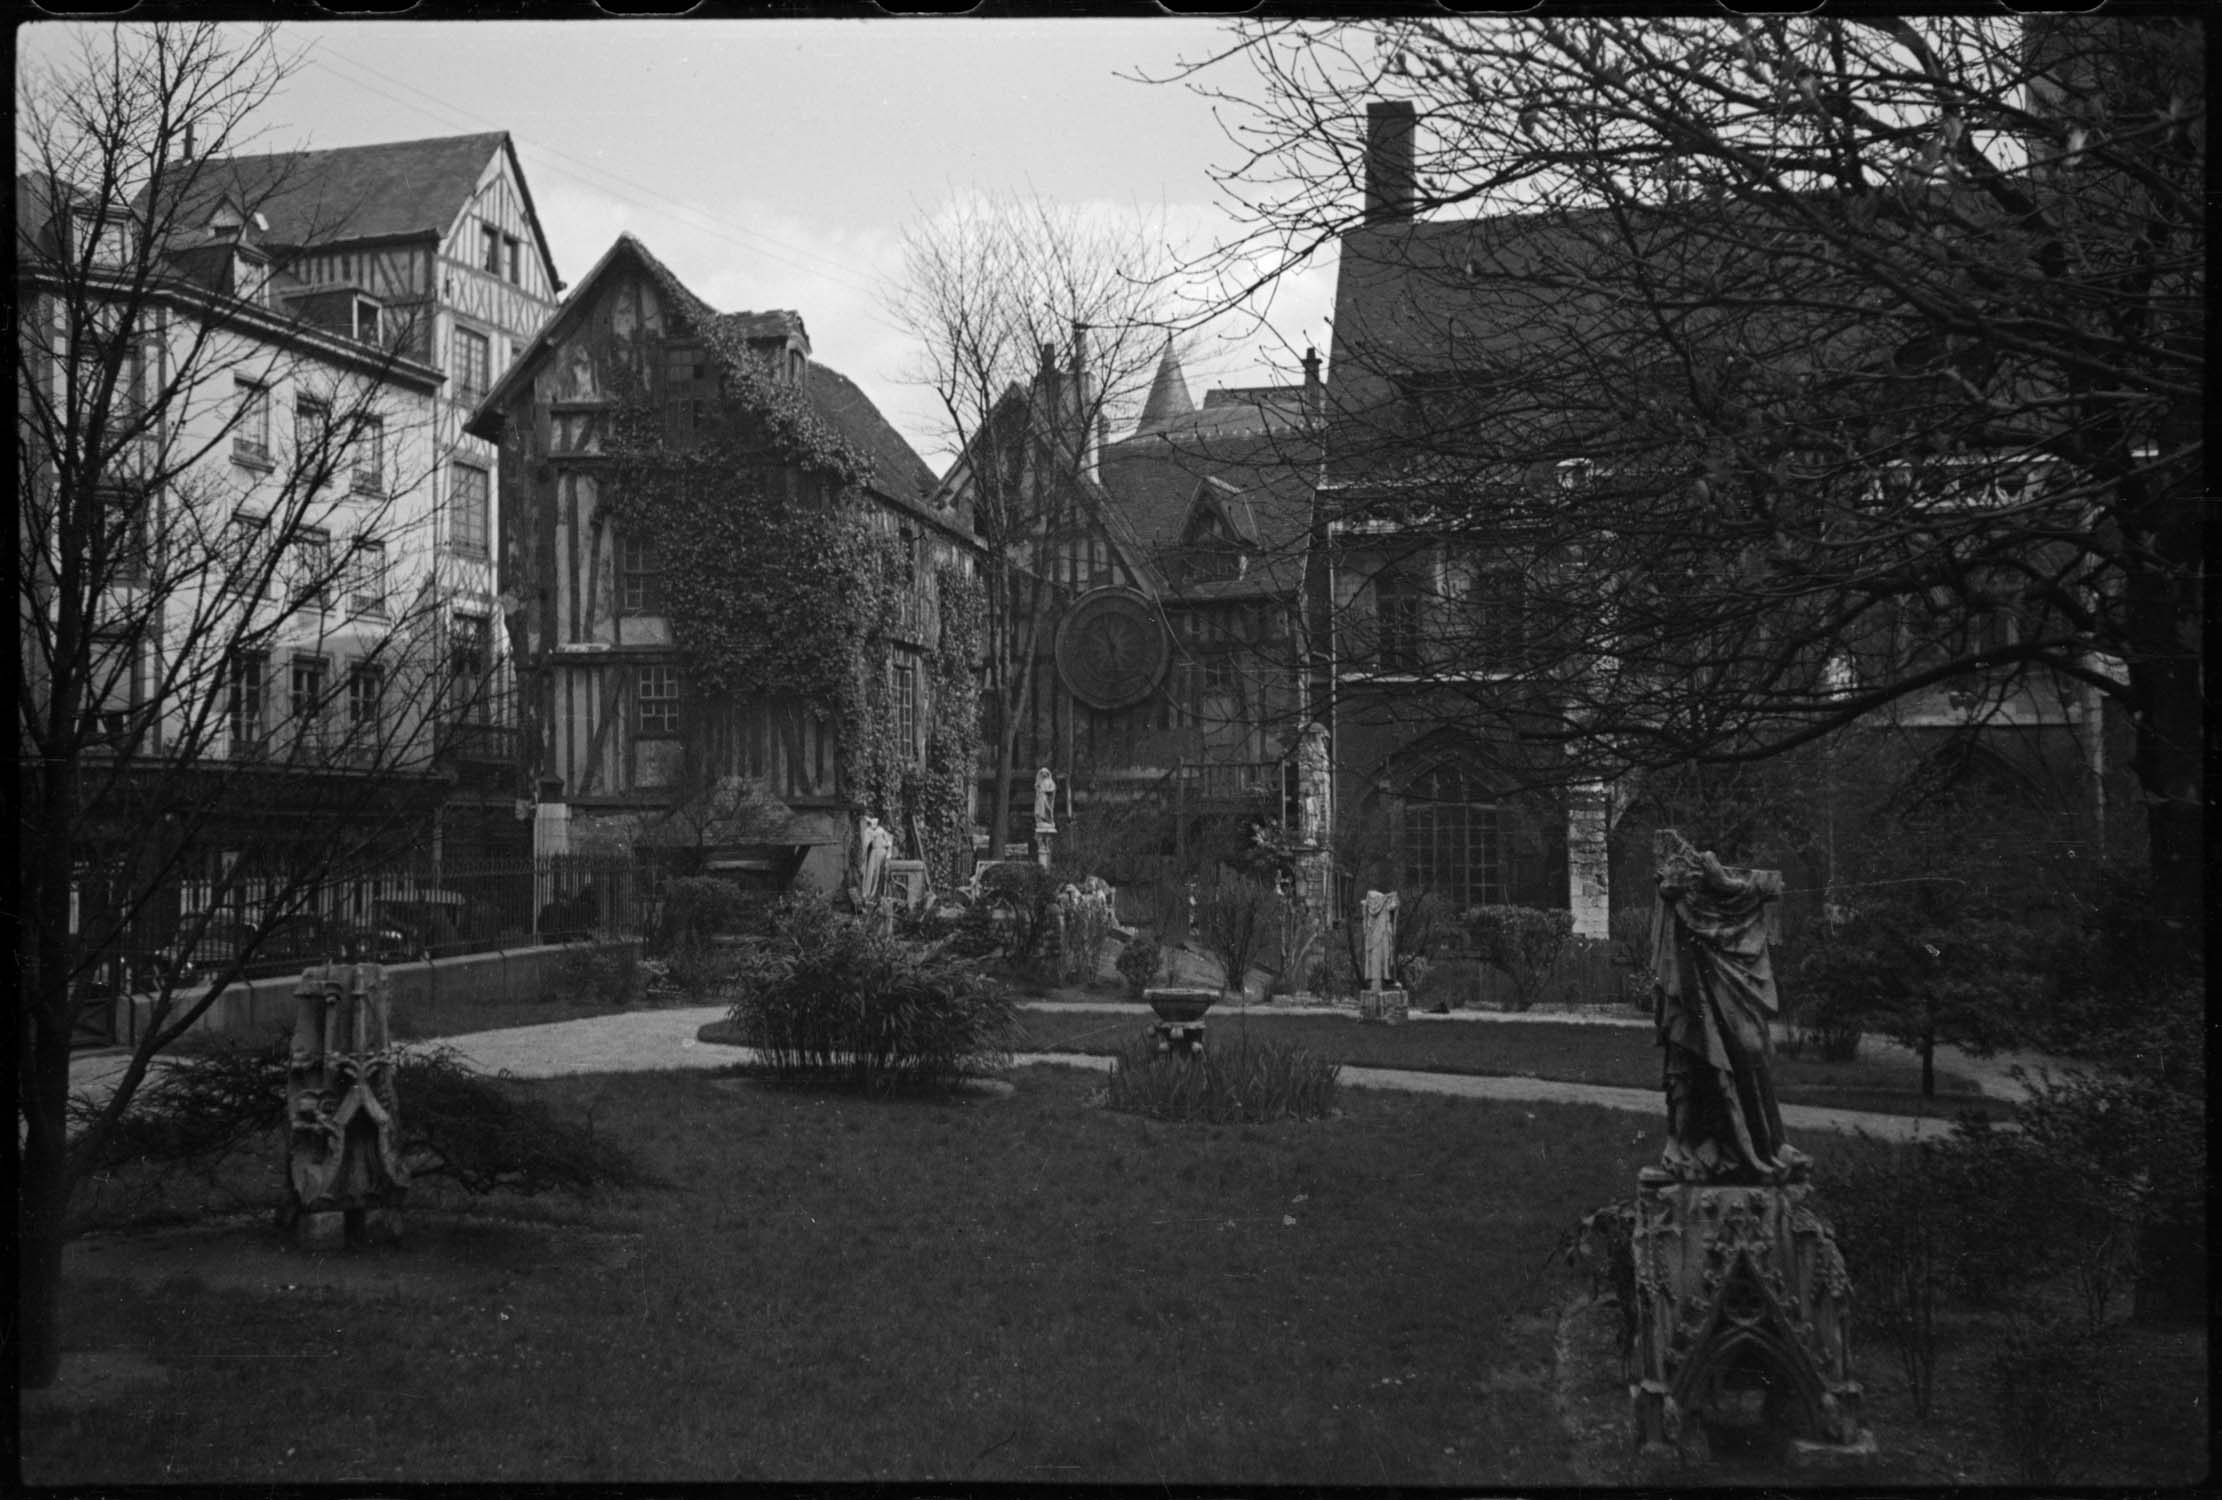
(1714, 994)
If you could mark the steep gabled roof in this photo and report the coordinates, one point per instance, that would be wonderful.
(829, 411)
(391, 190)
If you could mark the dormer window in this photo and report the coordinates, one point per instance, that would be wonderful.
(110, 239)
(368, 321)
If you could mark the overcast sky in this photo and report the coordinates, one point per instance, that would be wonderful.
(773, 164)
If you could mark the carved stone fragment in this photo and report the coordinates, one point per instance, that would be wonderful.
(344, 1170)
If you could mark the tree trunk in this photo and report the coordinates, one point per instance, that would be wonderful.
(44, 1192)
(1928, 1065)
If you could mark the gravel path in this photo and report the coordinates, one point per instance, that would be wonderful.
(651, 1041)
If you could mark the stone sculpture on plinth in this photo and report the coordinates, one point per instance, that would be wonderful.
(344, 1171)
(1045, 815)
(1382, 1000)
(1742, 1297)
(874, 845)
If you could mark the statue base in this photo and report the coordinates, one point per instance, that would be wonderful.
(1390, 1007)
(1742, 1308)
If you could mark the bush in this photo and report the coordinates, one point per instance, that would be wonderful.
(1235, 919)
(831, 999)
(697, 908)
(700, 970)
(1447, 986)
(2040, 1385)
(1138, 963)
(1083, 928)
(1525, 942)
(1017, 906)
(456, 1122)
(600, 971)
(1892, 1216)
(1247, 1084)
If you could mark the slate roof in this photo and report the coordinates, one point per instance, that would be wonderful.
(1168, 398)
(829, 400)
(386, 191)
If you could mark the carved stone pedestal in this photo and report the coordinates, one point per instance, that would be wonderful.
(1741, 1321)
(343, 1122)
(1391, 1007)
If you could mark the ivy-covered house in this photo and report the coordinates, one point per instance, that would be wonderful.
(740, 620)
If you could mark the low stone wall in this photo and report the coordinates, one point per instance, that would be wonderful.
(252, 1009)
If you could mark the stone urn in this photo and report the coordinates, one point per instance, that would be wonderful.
(1180, 1018)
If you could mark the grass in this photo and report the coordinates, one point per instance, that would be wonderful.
(1616, 1056)
(1030, 1289)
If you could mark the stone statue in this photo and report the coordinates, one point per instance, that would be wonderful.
(874, 845)
(343, 1122)
(1379, 913)
(1045, 801)
(1312, 777)
(1714, 994)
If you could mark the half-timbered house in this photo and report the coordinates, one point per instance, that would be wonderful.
(632, 733)
(434, 248)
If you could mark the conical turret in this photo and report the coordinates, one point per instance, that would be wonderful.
(1168, 394)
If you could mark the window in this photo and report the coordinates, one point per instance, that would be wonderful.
(312, 430)
(123, 534)
(305, 699)
(114, 685)
(366, 576)
(368, 321)
(243, 685)
(366, 691)
(250, 434)
(688, 385)
(656, 696)
(1219, 673)
(473, 360)
(516, 253)
(249, 562)
(470, 658)
(1396, 606)
(906, 709)
(1453, 840)
(489, 239)
(639, 579)
(312, 567)
(1498, 601)
(467, 491)
(370, 456)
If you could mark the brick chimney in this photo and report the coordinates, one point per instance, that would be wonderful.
(1389, 184)
(1313, 391)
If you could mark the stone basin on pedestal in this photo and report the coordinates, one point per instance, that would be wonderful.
(1180, 1016)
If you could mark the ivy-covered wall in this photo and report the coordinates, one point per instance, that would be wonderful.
(789, 587)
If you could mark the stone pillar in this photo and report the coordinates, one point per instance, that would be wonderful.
(1588, 861)
(1742, 1312)
(345, 1177)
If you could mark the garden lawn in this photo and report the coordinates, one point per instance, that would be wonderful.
(1617, 1056)
(1022, 1289)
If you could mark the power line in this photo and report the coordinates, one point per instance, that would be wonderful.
(601, 181)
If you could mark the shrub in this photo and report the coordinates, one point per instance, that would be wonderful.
(1018, 902)
(1138, 963)
(699, 970)
(1083, 929)
(1525, 942)
(1235, 919)
(598, 971)
(2040, 1381)
(1447, 986)
(1890, 1213)
(456, 1122)
(1246, 1084)
(831, 999)
(1602, 1247)
(697, 908)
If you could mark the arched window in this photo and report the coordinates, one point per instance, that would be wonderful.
(1451, 838)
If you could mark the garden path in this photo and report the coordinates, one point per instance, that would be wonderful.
(636, 1041)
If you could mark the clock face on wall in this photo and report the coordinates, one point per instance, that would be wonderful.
(1111, 648)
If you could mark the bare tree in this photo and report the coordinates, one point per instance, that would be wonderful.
(1038, 323)
(180, 543)
(1747, 379)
